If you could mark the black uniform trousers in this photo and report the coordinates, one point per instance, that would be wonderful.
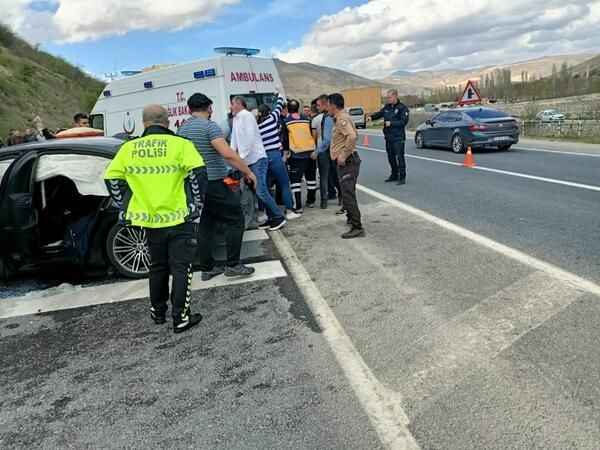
(172, 252)
(222, 210)
(303, 167)
(395, 154)
(324, 163)
(348, 175)
(334, 182)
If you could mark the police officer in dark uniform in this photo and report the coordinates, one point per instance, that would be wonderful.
(395, 115)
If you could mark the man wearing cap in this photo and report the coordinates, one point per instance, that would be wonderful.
(223, 207)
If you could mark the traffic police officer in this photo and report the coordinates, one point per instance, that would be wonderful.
(343, 152)
(158, 181)
(395, 115)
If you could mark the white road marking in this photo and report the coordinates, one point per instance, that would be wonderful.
(438, 360)
(255, 235)
(381, 405)
(558, 273)
(122, 292)
(588, 187)
(560, 152)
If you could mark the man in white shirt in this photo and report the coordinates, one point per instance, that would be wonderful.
(247, 141)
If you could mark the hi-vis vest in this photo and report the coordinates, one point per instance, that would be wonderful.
(155, 168)
(299, 135)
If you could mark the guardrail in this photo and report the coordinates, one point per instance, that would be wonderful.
(563, 128)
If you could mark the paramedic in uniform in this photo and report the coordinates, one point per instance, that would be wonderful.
(395, 116)
(158, 183)
(343, 152)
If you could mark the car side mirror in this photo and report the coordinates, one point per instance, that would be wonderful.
(429, 122)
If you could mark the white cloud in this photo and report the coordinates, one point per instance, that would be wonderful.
(75, 21)
(381, 36)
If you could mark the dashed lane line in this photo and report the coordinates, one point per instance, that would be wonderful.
(121, 292)
(382, 406)
(588, 187)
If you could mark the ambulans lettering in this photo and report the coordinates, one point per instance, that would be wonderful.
(262, 77)
(150, 148)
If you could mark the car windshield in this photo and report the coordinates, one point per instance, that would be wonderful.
(4, 167)
(356, 112)
(86, 171)
(552, 111)
(482, 113)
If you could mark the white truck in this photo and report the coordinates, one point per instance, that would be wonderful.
(119, 107)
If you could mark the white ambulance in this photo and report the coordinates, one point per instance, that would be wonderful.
(237, 72)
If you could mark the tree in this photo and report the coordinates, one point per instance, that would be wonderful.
(554, 80)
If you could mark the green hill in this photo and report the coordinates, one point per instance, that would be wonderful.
(33, 82)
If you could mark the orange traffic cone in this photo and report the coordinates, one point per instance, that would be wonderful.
(469, 160)
(366, 140)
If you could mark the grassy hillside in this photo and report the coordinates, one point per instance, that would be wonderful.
(304, 81)
(33, 82)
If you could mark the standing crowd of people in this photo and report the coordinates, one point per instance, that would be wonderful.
(37, 132)
(290, 152)
(200, 191)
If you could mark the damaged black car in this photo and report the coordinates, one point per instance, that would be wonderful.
(54, 208)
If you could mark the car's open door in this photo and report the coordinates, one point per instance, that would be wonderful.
(19, 234)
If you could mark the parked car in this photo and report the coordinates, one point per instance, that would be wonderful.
(475, 127)
(550, 115)
(54, 208)
(358, 116)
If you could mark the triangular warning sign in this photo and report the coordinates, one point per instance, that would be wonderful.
(470, 95)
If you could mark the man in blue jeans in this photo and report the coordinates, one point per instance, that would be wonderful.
(269, 126)
(247, 141)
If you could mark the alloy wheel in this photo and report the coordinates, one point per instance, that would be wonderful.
(130, 250)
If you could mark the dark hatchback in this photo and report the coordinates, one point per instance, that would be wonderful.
(475, 127)
(54, 208)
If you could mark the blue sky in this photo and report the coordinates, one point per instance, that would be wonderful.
(279, 25)
(372, 38)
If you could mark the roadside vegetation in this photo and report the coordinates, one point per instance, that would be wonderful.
(33, 82)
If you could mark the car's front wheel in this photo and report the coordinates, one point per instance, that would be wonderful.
(505, 148)
(127, 250)
(457, 144)
(419, 140)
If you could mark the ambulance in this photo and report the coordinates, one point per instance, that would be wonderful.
(236, 71)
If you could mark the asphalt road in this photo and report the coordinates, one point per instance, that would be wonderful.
(559, 224)
(255, 374)
(474, 345)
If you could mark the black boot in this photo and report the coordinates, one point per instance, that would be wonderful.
(354, 233)
(179, 326)
(391, 179)
(159, 317)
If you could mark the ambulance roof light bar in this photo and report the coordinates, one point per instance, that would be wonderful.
(230, 51)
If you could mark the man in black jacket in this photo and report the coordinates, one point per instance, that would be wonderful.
(395, 115)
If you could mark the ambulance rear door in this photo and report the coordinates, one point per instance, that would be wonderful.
(255, 79)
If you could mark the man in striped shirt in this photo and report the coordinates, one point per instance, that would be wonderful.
(270, 131)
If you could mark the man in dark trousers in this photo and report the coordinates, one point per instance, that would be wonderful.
(223, 196)
(395, 116)
(343, 152)
(157, 181)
